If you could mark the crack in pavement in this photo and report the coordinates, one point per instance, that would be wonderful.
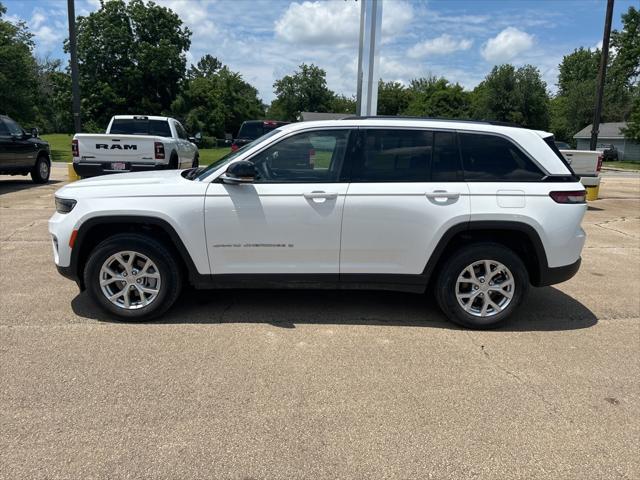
(615, 220)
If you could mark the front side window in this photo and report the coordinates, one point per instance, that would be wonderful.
(311, 157)
(4, 131)
(490, 158)
(14, 128)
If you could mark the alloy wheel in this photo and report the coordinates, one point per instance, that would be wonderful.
(485, 288)
(130, 280)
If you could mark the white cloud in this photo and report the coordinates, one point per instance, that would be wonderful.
(508, 44)
(442, 45)
(335, 23)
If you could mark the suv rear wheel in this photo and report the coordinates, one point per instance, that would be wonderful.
(133, 277)
(482, 285)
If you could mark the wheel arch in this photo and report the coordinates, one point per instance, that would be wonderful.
(520, 237)
(96, 229)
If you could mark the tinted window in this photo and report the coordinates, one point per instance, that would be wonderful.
(181, 131)
(487, 158)
(446, 157)
(14, 128)
(394, 156)
(4, 131)
(133, 126)
(304, 158)
(251, 130)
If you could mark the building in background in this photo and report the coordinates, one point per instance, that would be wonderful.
(610, 134)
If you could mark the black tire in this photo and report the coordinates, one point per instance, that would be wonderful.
(453, 268)
(173, 162)
(41, 171)
(168, 268)
(196, 161)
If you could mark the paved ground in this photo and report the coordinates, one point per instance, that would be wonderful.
(264, 384)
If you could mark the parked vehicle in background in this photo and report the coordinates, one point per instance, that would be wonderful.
(587, 164)
(475, 211)
(134, 143)
(609, 152)
(252, 129)
(22, 153)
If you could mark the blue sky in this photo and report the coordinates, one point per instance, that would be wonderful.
(458, 39)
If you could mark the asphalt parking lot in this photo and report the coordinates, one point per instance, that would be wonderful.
(317, 384)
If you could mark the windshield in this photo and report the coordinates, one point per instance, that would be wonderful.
(231, 155)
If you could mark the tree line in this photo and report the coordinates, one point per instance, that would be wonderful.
(132, 59)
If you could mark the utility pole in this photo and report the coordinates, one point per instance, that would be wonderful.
(602, 74)
(368, 57)
(75, 87)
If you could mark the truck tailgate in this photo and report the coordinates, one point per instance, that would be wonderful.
(109, 148)
(583, 162)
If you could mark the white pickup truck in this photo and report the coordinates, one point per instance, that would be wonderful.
(585, 163)
(134, 143)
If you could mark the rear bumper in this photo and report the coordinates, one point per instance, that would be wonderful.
(553, 275)
(94, 169)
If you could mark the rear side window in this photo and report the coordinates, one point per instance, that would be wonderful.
(445, 166)
(141, 126)
(4, 131)
(394, 156)
(490, 158)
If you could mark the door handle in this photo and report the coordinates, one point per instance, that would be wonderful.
(438, 194)
(319, 194)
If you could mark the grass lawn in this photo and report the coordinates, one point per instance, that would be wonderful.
(625, 165)
(60, 144)
(210, 155)
(61, 149)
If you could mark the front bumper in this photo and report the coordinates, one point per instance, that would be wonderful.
(94, 169)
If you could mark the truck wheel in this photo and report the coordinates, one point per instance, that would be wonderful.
(41, 170)
(133, 277)
(196, 161)
(481, 285)
(173, 162)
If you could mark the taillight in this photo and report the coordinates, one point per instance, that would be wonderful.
(234, 147)
(600, 158)
(159, 149)
(74, 148)
(576, 196)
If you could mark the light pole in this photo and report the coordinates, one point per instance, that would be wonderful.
(75, 87)
(602, 74)
(368, 57)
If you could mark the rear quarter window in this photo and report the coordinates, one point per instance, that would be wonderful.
(491, 158)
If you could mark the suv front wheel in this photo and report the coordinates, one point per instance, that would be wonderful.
(481, 285)
(133, 277)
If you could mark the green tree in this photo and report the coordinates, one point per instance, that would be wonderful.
(216, 100)
(513, 95)
(393, 98)
(632, 132)
(342, 104)
(53, 94)
(18, 70)
(131, 59)
(304, 91)
(436, 97)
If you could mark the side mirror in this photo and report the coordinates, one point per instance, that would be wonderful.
(35, 132)
(243, 171)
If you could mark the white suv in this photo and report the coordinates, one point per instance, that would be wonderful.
(474, 210)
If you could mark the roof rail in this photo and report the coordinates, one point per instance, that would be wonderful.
(401, 117)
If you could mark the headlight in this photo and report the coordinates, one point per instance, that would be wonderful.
(64, 205)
